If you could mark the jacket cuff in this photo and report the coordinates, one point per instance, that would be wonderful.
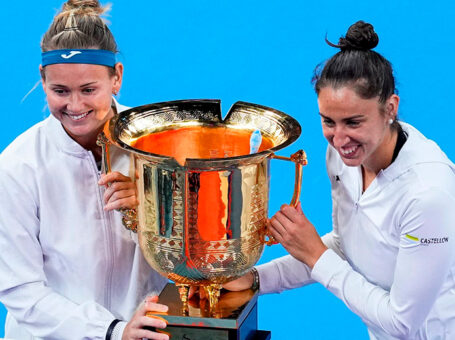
(117, 333)
(268, 282)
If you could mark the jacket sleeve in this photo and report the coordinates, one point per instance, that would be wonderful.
(420, 272)
(287, 272)
(35, 306)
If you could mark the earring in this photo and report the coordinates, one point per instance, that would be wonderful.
(391, 121)
(114, 92)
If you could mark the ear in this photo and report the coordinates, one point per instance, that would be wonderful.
(118, 77)
(43, 78)
(392, 106)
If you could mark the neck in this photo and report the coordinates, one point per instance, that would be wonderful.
(380, 159)
(383, 156)
(88, 142)
(93, 147)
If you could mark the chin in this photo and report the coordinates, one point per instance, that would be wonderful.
(351, 162)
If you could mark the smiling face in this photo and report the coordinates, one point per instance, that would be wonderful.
(358, 128)
(80, 97)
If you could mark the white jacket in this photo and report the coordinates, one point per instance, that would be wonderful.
(67, 268)
(391, 255)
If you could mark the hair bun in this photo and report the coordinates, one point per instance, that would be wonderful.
(360, 36)
(84, 6)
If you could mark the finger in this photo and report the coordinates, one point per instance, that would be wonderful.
(292, 214)
(150, 304)
(281, 218)
(128, 203)
(151, 298)
(164, 332)
(119, 190)
(119, 185)
(103, 180)
(284, 206)
(113, 177)
(299, 207)
(202, 294)
(142, 333)
(155, 307)
(118, 195)
(193, 290)
(276, 229)
(150, 320)
(277, 236)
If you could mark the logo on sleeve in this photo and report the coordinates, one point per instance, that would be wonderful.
(427, 241)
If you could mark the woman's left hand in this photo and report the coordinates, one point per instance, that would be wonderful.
(143, 324)
(291, 228)
(120, 191)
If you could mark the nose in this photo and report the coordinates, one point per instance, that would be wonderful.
(339, 137)
(75, 103)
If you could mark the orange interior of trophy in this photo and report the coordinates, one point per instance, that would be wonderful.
(200, 142)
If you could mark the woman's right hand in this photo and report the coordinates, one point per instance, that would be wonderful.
(135, 328)
(237, 285)
(242, 283)
(120, 191)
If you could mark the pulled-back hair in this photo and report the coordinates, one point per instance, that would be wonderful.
(79, 26)
(356, 65)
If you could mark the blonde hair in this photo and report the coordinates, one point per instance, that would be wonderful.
(79, 25)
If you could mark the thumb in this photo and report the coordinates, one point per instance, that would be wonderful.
(153, 298)
(142, 309)
(299, 207)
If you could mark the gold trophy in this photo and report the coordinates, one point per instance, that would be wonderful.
(203, 190)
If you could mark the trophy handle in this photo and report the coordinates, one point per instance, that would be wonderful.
(129, 218)
(300, 159)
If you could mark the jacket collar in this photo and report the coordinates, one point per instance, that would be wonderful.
(417, 150)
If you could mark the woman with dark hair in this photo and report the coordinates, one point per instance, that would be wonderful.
(390, 256)
(69, 269)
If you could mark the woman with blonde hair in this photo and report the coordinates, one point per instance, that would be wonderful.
(69, 269)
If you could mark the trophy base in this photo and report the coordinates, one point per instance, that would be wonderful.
(233, 318)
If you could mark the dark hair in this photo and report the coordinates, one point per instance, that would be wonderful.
(356, 65)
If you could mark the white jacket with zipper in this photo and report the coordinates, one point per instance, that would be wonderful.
(68, 268)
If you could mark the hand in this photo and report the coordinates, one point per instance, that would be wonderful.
(237, 285)
(229, 301)
(194, 291)
(242, 283)
(120, 191)
(291, 228)
(135, 330)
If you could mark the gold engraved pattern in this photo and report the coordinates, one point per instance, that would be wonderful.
(171, 235)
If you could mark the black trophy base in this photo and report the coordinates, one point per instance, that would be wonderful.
(234, 318)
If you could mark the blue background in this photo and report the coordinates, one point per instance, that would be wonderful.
(262, 52)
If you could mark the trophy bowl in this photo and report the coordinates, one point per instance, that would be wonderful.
(203, 192)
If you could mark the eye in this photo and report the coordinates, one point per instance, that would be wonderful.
(353, 123)
(59, 91)
(328, 122)
(88, 90)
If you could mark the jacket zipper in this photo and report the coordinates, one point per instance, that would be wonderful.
(108, 232)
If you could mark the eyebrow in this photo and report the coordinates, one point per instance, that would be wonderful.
(83, 85)
(344, 119)
(88, 84)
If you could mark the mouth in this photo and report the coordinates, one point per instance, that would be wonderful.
(77, 116)
(349, 151)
